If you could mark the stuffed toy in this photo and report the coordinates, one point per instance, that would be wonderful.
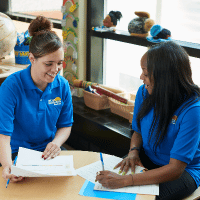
(112, 18)
(110, 22)
(159, 34)
(141, 25)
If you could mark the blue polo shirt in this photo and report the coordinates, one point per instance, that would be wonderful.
(30, 116)
(182, 141)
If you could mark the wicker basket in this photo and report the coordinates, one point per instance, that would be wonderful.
(98, 102)
(123, 110)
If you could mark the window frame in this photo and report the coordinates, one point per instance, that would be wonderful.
(95, 18)
(5, 8)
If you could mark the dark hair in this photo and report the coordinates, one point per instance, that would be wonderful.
(115, 15)
(164, 34)
(44, 41)
(169, 68)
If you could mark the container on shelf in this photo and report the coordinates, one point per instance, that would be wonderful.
(121, 109)
(98, 102)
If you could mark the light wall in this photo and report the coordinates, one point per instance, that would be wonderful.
(23, 26)
(35, 5)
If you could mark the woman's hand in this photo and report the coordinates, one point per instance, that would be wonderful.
(52, 150)
(129, 162)
(112, 180)
(6, 175)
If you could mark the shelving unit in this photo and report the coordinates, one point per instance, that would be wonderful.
(95, 16)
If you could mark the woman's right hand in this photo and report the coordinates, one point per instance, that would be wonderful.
(6, 175)
(129, 162)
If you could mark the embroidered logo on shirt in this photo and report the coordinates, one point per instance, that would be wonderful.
(174, 119)
(56, 101)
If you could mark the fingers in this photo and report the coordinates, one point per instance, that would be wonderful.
(132, 166)
(52, 150)
(122, 166)
(110, 179)
(127, 163)
(14, 178)
(118, 165)
(101, 175)
(6, 175)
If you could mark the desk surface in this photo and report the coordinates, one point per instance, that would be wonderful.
(9, 66)
(60, 188)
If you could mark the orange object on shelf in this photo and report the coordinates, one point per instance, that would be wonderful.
(82, 84)
(100, 90)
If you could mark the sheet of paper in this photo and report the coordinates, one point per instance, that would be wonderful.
(144, 189)
(89, 172)
(30, 164)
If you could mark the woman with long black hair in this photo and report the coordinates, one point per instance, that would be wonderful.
(166, 126)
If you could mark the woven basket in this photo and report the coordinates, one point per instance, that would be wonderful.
(98, 102)
(123, 110)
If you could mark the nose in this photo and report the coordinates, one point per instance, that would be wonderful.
(142, 76)
(55, 68)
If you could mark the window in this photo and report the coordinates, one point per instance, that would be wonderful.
(48, 8)
(122, 61)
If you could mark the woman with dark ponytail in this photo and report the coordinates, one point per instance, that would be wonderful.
(36, 105)
(166, 124)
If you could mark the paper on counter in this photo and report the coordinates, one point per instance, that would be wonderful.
(30, 164)
(89, 172)
(143, 189)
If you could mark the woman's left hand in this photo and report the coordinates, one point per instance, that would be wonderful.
(111, 180)
(52, 150)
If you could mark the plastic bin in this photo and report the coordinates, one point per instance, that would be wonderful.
(21, 54)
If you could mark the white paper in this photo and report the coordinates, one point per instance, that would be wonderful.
(30, 164)
(89, 172)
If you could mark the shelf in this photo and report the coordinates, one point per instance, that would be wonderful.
(193, 49)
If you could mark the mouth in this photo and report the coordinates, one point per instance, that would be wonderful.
(52, 75)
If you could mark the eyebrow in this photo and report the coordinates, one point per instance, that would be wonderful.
(53, 61)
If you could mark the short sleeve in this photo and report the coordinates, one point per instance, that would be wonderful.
(7, 106)
(188, 137)
(138, 102)
(66, 115)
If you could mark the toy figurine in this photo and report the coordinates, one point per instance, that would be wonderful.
(110, 22)
(141, 25)
(112, 18)
(159, 34)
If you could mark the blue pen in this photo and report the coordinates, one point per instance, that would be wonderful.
(101, 157)
(13, 164)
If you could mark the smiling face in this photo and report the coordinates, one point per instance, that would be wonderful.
(45, 69)
(144, 76)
